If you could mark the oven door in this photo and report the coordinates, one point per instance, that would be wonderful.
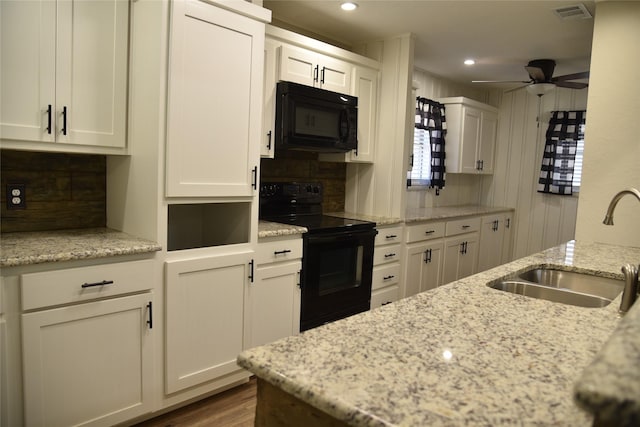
(336, 276)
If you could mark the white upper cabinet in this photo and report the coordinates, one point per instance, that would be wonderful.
(64, 74)
(471, 135)
(214, 116)
(314, 69)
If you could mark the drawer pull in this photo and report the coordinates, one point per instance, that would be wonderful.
(464, 227)
(388, 277)
(429, 231)
(282, 252)
(91, 285)
(389, 255)
(391, 236)
(385, 303)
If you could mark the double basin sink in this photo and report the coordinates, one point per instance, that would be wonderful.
(566, 287)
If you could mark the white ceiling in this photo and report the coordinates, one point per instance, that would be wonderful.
(502, 36)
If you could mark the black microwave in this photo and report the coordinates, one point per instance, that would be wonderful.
(312, 119)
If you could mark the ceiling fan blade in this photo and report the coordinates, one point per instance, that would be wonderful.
(575, 76)
(571, 85)
(498, 81)
(536, 73)
(515, 88)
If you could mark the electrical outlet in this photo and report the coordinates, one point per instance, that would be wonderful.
(16, 196)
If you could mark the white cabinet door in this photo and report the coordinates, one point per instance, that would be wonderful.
(460, 257)
(28, 52)
(507, 238)
(469, 142)
(423, 267)
(64, 76)
(88, 363)
(365, 87)
(204, 318)
(267, 146)
(91, 72)
(491, 241)
(487, 141)
(313, 69)
(214, 101)
(273, 308)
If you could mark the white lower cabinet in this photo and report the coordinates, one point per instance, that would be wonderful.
(274, 303)
(423, 266)
(385, 287)
(273, 298)
(204, 317)
(88, 363)
(491, 241)
(460, 257)
(423, 256)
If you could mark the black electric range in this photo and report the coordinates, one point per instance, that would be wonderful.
(337, 257)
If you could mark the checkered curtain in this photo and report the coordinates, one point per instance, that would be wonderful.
(556, 173)
(430, 115)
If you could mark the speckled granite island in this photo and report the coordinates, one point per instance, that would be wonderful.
(461, 354)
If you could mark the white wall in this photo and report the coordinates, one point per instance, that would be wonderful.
(612, 136)
(541, 220)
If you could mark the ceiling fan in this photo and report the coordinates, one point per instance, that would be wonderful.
(542, 80)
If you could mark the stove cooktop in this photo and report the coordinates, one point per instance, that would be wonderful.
(324, 223)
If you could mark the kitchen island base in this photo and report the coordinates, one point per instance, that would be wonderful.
(277, 408)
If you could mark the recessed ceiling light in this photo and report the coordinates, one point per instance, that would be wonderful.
(349, 5)
(469, 62)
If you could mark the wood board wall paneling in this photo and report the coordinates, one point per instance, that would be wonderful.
(63, 191)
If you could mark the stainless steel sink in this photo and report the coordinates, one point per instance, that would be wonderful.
(566, 287)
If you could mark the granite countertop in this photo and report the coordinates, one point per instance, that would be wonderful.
(35, 247)
(461, 354)
(276, 229)
(379, 220)
(445, 212)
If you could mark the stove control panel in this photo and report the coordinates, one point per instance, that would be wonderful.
(308, 191)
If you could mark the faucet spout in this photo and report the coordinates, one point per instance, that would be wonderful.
(608, 219)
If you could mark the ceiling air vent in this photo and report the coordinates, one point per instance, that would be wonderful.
(578, 11)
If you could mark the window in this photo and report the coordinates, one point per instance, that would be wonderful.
(577, 164)
(420, 173)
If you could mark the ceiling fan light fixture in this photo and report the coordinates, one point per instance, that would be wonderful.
(540, 89)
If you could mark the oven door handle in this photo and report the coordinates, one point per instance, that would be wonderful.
(327, 238)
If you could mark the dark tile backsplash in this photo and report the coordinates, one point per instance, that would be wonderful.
(63, 191)
(305, 166)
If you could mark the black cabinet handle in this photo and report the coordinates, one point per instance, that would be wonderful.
(391, 236)
(282, 252)
(508, 223)
(322, 77)
(464, 227)
(64, 120)
(388, 277)
(389, 255)
(385, 303)
(315, 73)
(91, 285)
(150, 311)
(251, 271)
(254, 178)
(427, 256)
(269, 140)
(429, 231)
(49, 119)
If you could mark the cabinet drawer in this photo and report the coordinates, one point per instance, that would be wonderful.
(388, 235)
(418, 232)
(386, 275)
(460, 226)
(276, 250)
(85, 283)
(384, 296)
(384, 254)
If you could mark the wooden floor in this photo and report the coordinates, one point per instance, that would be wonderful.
(232, 408)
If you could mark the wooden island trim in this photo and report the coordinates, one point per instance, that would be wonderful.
(277, 408)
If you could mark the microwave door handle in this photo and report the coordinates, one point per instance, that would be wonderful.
(343, 130)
